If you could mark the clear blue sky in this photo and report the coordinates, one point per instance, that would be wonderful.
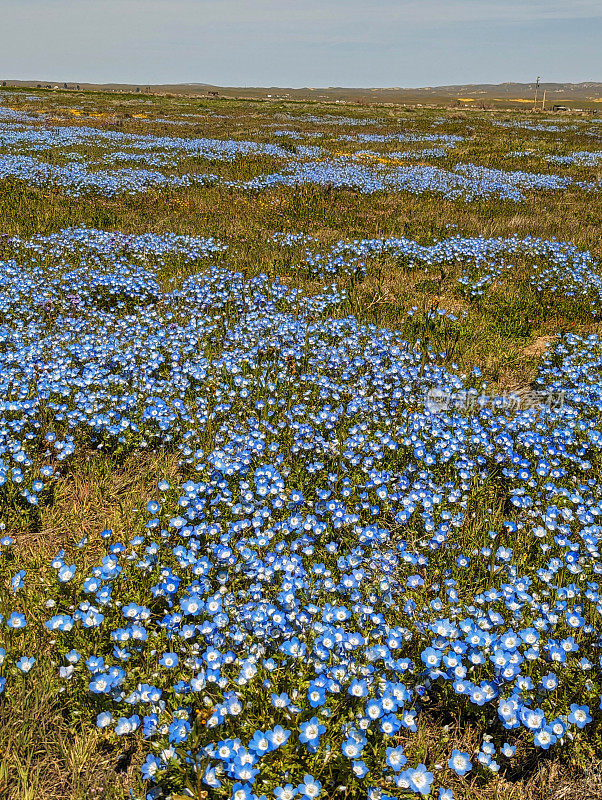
(407, 43)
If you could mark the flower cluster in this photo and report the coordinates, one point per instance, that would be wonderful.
(556, 267)
(582, 158)
(25, 144)
(278, 624)
(465, 182)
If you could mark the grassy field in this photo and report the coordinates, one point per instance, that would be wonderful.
(298, 370)
(514, 96)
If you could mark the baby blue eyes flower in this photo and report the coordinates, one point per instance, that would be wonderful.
(18, 580)
(126, 725)
(532, 718)
(310, 788)
(420, 779)
(360, 770)
(544, 737)
(65, 573)
(104, 719)
(549, 682)
(316, 697)
(25, 663)
(278, 736)
(178, 731)
(311, 731)
(241, 791)
(66, 672)
(259, 744)
(280, 700)
(430, 657)
(287, 792)
(395, 758)
(102, 684)
(169, 660)
(459, 762)
(351, 748)
(60, 622)
(151, 767)
(579, 715)
(358, 688)
(16, 621)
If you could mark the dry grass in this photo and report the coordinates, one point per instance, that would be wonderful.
(46, 754)
(49, 747)
(586, 787)
(97, 492)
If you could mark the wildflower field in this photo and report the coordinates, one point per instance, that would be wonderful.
(300, 451)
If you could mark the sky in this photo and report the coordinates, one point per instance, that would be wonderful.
(316, 43)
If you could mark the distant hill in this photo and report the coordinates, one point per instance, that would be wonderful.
(587, 94)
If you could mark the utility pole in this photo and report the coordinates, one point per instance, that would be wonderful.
(536, 91)
(543, 102)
